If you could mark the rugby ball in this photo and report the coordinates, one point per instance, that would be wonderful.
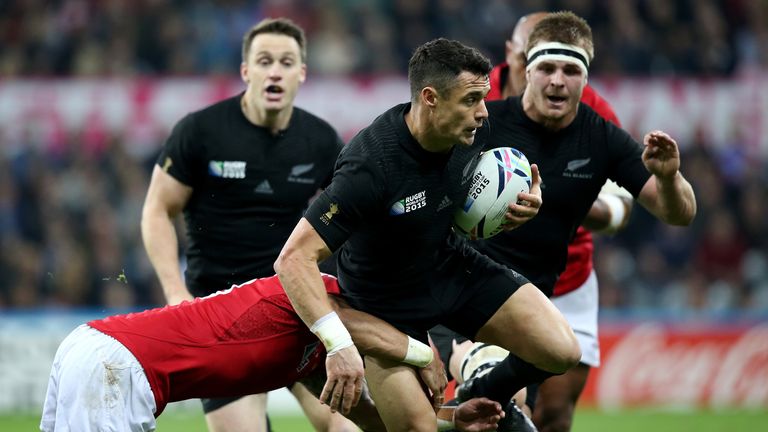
(500, 175)
(480, 359)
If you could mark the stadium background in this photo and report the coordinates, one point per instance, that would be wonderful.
(90, 89)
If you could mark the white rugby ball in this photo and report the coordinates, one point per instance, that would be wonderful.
(500, 175)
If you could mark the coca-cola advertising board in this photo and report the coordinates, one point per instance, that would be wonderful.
(702, 365)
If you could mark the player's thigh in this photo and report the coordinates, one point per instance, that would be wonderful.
(399, 398)
(529, 325)
(321, 417)
(245, 414)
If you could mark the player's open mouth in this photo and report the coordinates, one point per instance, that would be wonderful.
(274, 92)
(557, 100)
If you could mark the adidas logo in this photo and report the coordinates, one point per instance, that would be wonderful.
(264, 188)
(446, 202)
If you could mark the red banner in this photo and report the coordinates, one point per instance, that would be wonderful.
(681, 366)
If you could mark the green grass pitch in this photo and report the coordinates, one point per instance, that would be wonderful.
(587, 420)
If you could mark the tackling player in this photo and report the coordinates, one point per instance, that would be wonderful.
(119, 373)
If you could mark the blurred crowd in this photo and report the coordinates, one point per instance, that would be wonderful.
(69, 213)
(372, 37)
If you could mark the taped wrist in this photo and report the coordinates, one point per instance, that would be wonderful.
(419, 354)
(617, 209)
(332, 333)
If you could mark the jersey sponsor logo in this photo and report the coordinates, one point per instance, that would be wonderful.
(264, 188)
(575, 165)
(298, 170)
(227, 169)
(445, 203)
(409, 203)
(327, 216)
(309, 351)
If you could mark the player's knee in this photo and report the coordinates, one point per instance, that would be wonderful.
(566, 354)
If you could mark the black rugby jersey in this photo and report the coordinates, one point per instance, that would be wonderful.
(391, 205)
(250, 188)
(574, 163)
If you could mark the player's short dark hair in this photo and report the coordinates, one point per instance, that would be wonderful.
(282, 26)
(437, 63)
(564, 27)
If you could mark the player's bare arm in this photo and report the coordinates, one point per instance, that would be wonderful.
(166, 198)
(527, 205)
(667, 194)
(300, 276)
(377, 338)
(474, 415)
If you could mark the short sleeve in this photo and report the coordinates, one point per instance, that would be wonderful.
(181, 155)
(627, 168)
(353, 198)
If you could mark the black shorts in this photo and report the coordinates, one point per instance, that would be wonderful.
(210, 405)
(214, 404)
(463, 293)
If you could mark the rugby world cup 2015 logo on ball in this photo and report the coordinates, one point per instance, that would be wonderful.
(500, 175)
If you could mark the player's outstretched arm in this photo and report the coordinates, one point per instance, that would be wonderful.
(300, 276)
(666, 194)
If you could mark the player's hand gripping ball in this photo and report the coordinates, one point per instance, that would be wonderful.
(501, 174)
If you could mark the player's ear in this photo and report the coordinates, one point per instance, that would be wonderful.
(429, 96)
(244, 72)
(303, 73)
(508, 49)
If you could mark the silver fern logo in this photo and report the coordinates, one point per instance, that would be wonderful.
(577, 163)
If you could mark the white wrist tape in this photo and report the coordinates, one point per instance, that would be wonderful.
(617, 208)
(419, 354)
(332, 333)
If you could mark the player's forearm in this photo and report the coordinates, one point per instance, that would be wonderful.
(371, 335)
(297, 268)
(677, 202)
(301, 281)
(161, 244)
(378, 338)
